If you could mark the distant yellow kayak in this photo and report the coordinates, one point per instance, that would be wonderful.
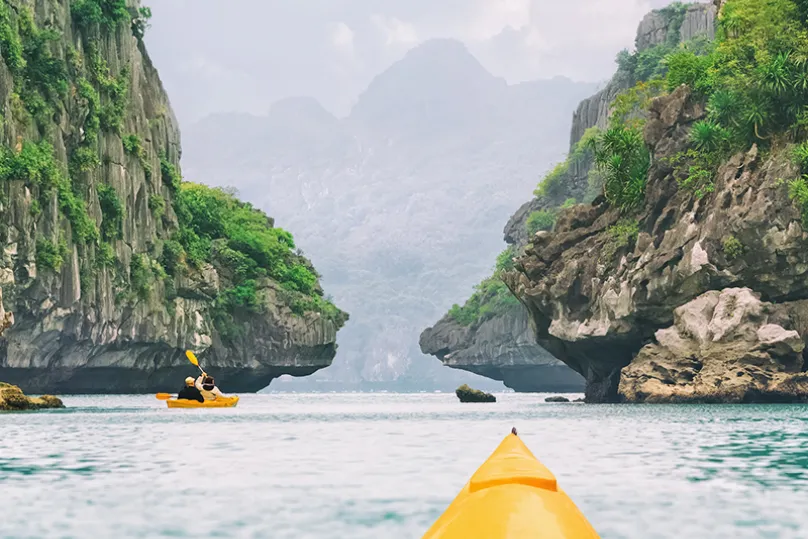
(221, 402)
(512, 496)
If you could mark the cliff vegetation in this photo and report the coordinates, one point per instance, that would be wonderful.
(106, 248)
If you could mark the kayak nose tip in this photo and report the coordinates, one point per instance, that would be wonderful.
(513, 431)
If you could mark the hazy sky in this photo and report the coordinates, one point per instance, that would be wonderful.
(242, 55)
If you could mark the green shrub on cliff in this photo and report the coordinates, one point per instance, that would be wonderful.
(540, 220)
(490, 297)
(755, 80)
(240, 241)
(50, 256)
(112, 213)
(620, 235)
(622, 160)
(105, 13)
(35, 165)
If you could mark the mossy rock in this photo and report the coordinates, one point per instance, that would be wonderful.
(467, 394)
(12, 398)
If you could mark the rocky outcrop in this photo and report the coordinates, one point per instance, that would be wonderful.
(595, 302)
(80, 326)
(556, 399)
(697, 20)
(467, 394)
(724, 346)
(676, 24)
(13, 399)
(502, 348)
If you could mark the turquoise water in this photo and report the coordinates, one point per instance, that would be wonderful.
(386, 465)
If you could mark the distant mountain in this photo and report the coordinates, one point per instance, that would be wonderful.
(399, 203)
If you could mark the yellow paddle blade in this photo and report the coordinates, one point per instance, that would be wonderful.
(163, 396)
(191, 357)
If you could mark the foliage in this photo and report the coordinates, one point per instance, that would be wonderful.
(10, 41)
(35, 165)
(553, 183)
(143, 274)
(84, 159)
(623, 234)
(133, 145)
(800, 154)
(490, 297)
(755, 80)
(50, 256)
(627, 105)
(540, 220)
(170, 174)
(239, 240)
(105, 13)
(687, 67)
(115, 90)
(622, 159)
(104, 256)
(173, 259)
(798, 192)
(505, 260)
(112, 213)
(650, 63)
(582, 151)
(732, 247)
(569, 203)
(140, 22)
(157, 205)
(39, 78)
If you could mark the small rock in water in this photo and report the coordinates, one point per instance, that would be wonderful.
(579, 400)
(467, 394)
(556, 399)
(12, 398)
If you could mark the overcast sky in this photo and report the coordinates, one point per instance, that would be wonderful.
(242, 55)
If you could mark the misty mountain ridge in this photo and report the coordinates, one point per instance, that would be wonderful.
(401, 202)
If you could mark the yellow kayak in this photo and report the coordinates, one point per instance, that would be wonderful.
(221, 402)
(512, 496)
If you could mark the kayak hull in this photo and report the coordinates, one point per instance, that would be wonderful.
(221, 402)
(512, 496)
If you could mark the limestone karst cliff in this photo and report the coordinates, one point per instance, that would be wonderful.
(113, 265)
(686, 281)
(491, 334)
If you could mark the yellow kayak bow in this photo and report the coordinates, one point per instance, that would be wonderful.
(512, 496)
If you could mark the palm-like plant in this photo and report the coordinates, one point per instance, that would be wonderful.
(709, 136)
(623, 161)
(776, 74)
(723, 107)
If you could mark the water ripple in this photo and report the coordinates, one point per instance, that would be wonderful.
(386, 465)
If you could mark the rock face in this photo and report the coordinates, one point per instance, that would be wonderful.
(724, 346)
(13, 399)
(78, 328)
(692, 21)
(467, 394)
(503, 348)
(595, 305)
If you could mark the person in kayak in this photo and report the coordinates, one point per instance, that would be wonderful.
(190, 391)
(207, 387)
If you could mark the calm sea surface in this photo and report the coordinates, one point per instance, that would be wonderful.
(386, 465)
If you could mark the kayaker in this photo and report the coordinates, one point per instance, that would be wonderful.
(190, 392)
(207, 386)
